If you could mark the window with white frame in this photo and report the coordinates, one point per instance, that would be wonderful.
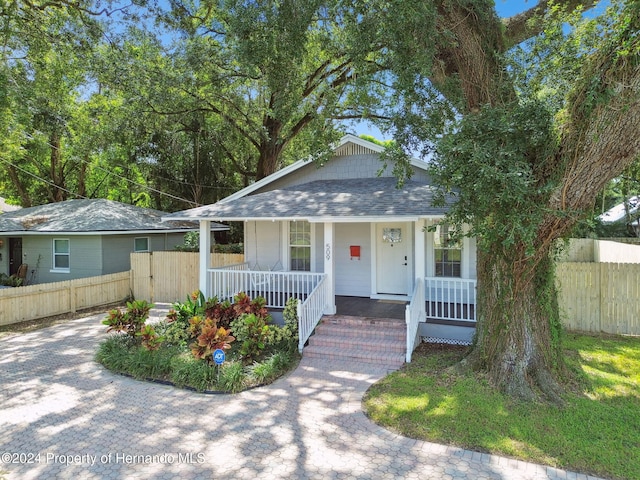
(141, 244)
(447, 252)
(61, 254)
(300, 245)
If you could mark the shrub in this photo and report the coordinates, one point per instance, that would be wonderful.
(211, 338)
(10, 281)
(222, 312)
(228, 248)
(129, 321)
(253, 332)
(242, 304)
(150, 339)
(290, 315)
(175, 333)
(182, 312)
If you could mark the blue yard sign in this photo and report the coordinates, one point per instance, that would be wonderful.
(219, 357)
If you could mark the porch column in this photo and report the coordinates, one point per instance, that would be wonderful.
(420, 253)
(205, 255)
(329, 266)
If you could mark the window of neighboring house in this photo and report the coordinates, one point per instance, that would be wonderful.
(61, 254)
(141, 244)
(448, 252)
(300, 245)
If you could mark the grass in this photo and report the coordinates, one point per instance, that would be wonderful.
(597, 431)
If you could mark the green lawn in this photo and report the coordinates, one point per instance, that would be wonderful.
(597, 432)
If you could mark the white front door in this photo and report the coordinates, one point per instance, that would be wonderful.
(392, 259)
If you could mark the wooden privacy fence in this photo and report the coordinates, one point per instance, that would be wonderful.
(46, 299)
(171, 276)
(600, 297)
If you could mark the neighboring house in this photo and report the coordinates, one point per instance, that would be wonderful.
(625, 213)
(344, 227)
(83, 238)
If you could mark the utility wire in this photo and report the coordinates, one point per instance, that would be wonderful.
(41, 179)
(160, 192)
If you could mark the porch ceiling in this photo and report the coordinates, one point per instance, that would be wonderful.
(341, 199)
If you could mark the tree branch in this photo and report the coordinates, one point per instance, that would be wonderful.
(523, 26)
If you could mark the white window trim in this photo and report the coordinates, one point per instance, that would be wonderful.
(148, 249)
(54, 269)
(462, 254)
(286, 253)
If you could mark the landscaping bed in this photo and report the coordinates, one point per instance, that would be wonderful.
(179, 350)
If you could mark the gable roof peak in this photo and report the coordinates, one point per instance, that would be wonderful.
(349, 144)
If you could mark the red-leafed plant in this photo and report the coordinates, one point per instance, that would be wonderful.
(150, 338)
(243, 305)
(195, 325)
(211, 338)
(223, 312)
(129, 321)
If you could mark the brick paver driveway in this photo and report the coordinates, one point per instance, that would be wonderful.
(64, 416)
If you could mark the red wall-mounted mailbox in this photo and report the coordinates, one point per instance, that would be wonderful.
(355, 251)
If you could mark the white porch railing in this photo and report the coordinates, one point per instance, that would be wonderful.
(414, 314)
(311, 310)
(275, 287)
(450, 298)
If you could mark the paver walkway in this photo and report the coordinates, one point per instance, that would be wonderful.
(64, 416)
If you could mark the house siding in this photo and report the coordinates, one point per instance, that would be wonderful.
(353, 277)
(264, 244)
(116, 249)
(90, 255)
(339, 168)
(85, 259)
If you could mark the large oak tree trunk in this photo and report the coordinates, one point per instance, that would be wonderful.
(517, 335)
(517, 341)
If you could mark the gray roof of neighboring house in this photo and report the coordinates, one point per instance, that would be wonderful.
(92, 216)
(348, 198)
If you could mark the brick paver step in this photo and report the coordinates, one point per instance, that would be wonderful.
(374, 332)
(391, 360)
(378, 341)
(359, 343)
(365, 321)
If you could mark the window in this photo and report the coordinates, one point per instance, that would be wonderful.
(61, 254)
(448, 252)
(300, 245)
(141, 244)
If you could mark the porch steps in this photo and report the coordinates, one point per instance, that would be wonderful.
(378, 341)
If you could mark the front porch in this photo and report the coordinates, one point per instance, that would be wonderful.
(439, 309)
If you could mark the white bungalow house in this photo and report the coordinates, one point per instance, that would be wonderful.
(341, 229)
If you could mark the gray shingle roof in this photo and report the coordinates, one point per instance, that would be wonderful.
(91, 216)
(327, 198)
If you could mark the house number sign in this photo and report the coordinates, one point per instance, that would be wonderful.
(327, 251)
